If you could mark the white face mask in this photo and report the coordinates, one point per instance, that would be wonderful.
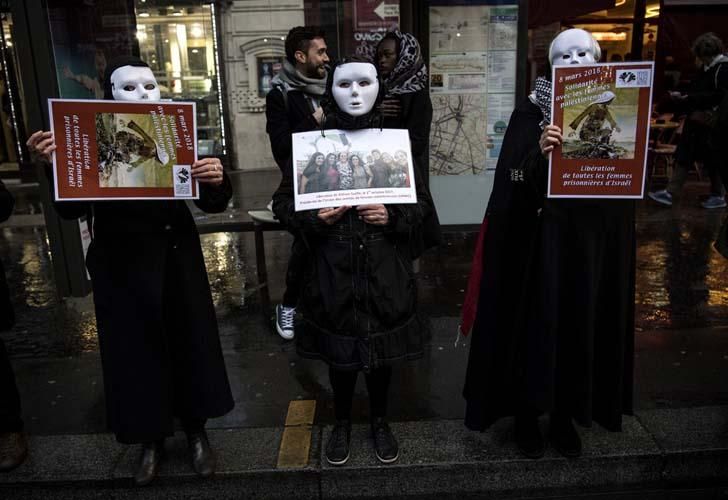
(134, 83)
(574, 46)
(355, 88)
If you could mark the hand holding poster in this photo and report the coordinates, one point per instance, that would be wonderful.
(352, 167)
(112, 150)
(603, 111)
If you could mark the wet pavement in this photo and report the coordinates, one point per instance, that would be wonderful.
(681, 321)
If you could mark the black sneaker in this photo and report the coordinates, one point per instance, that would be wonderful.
(528, 436)
(385, 445)
(337, 448)
(563, 436)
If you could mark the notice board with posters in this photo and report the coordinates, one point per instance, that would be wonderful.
(474, 48)
(603, 111)
(120, 150)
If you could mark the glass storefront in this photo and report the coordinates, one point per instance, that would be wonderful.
(178, 42)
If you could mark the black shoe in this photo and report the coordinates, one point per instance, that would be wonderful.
(385, 445)
(149, 463)
(202, 456)
(528, 436)
(13, 450)
(563, 436)
(337, 448)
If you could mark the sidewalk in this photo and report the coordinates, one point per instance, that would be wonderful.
(660, 454)
(677, 440)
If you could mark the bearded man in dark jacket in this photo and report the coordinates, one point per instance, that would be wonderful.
(294, 106)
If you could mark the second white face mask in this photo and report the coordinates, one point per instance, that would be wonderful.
(134, 83)
(355, 88)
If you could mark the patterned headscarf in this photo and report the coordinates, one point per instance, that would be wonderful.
(410, 73)
(541, 97)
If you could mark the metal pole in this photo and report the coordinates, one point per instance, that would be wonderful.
(38, 76)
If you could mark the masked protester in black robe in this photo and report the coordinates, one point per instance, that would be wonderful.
(158, 336)
(551, 293)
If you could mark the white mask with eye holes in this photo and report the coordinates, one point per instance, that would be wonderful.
(574, 46)
(355, 87)
(134, 83)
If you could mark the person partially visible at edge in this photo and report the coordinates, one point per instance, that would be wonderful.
(312, 173)
(158, 335)
(551, 294)
(359, 309)
(13, 443)
(699, 104)
(407, 105)
(294, 105)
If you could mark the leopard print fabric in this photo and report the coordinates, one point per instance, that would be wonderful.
(410, 73)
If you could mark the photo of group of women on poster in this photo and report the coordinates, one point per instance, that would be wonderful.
(354, 170)
(353, 167)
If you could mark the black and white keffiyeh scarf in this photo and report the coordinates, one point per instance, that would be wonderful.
(541, 97)
(410, 73)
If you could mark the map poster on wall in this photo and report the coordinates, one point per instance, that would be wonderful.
(473, 47)
(604, 114)
(352, 167)
(115, 150)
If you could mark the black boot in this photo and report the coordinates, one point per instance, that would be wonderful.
(149, 464)
(563, 436)
(13, 450)
(203, 458)
(528, 436)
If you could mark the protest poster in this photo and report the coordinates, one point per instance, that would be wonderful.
(603, 111)
(352, 167)
(117, 150)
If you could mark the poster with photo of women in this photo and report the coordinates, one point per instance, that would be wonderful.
(352, 167)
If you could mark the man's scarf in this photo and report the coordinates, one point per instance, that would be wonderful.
(289, 78)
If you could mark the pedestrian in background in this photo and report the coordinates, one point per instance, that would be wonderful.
(699, 104)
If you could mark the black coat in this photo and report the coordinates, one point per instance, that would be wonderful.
(7, 314)
(554, 319)
(158, 335)
(416, 117)
(358, 304)
(286, 116)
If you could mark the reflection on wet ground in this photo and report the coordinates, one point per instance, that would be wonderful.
(681, 319)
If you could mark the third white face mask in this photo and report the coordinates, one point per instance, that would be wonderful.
(134, 83)
(573, 46)
(355, 87)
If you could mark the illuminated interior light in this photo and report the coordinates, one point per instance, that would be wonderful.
(609, 36)
(144, 14)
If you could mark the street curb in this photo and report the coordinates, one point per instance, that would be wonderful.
(657, 450)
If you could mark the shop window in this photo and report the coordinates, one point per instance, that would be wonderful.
(177, 39)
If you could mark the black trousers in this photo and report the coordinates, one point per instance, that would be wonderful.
(295, 272)
(343, 383)
(10, 420)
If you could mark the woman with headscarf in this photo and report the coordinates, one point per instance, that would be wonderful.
(158, 337)
(407, 105)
